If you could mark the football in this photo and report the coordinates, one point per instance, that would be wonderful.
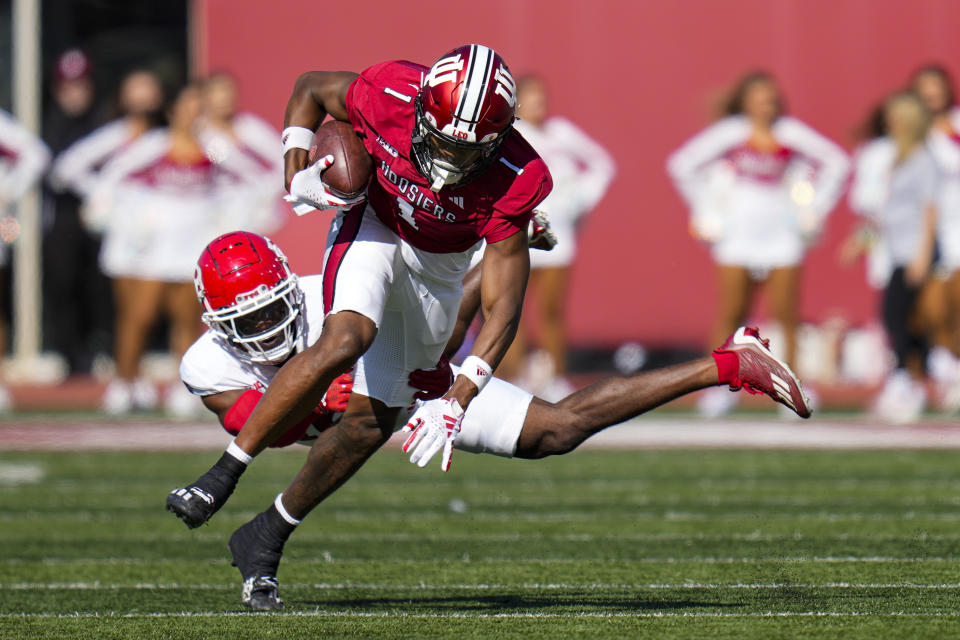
(352, 165)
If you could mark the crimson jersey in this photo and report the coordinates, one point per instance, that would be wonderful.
(493, 206)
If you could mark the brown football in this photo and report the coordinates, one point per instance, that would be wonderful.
(352, 165)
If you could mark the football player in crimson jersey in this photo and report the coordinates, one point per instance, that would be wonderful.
(450, 172)
(260, 314)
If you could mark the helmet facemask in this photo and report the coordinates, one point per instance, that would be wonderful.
(265, 323)
(445, 160)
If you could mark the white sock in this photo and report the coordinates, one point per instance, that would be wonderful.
(239, 453)
(278, 503)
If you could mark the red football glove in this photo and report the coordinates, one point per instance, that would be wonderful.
(338, 394)
(432, 383)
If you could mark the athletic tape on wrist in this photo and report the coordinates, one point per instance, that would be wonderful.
(296, 138)
(476, 371)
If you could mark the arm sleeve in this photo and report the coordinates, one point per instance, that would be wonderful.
(598, 166)
(685, 164)
(32, 158)
(832, 163)
(76, 168)
(237, 415)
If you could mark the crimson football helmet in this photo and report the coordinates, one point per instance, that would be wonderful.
(249, 296)
(464, 111)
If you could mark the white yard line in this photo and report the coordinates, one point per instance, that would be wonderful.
(777, 560)
(645, 433)
(494, 616)
(173, 586)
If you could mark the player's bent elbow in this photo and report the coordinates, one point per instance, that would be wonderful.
(306, 82)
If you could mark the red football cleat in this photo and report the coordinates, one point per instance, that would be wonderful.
(760, 372)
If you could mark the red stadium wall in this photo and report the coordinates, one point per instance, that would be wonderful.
(639, 76)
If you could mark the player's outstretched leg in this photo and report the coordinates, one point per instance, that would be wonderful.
(744, 361)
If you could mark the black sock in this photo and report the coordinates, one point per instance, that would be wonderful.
(275, 525)
(230, 465)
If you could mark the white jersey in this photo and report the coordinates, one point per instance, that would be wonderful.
(157, 214)
(492, 423)
(23, 159)
(753, 201)
(582, 171)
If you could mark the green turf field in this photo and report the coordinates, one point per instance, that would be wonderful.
(595, 544)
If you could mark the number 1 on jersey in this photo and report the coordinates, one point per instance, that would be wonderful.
(406, 211)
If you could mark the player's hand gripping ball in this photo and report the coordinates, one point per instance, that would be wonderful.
(337, 176)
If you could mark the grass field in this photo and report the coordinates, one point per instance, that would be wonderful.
(720, 544)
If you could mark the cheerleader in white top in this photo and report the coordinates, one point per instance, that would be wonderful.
(77, 169)
(897, 187)
(940, 302)
(582, 171)
(759, 185)
(158, 200)
(23, 159)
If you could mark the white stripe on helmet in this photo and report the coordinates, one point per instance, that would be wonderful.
(474, 93)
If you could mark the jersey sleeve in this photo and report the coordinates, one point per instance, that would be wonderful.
(207, 368)
(514, 210)
(363, 100)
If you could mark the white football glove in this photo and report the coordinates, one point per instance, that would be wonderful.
(308, 193)
(435, 425)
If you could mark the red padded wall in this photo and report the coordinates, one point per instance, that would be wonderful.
(639, 76)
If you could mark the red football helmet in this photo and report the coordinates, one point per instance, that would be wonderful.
(464, 110)
(249, 295)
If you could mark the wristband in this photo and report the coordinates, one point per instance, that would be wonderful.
(476, 371)
(296, 138)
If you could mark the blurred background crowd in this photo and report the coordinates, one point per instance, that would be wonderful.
(145, 153)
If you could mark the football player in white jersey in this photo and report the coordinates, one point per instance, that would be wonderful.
(260, 314)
